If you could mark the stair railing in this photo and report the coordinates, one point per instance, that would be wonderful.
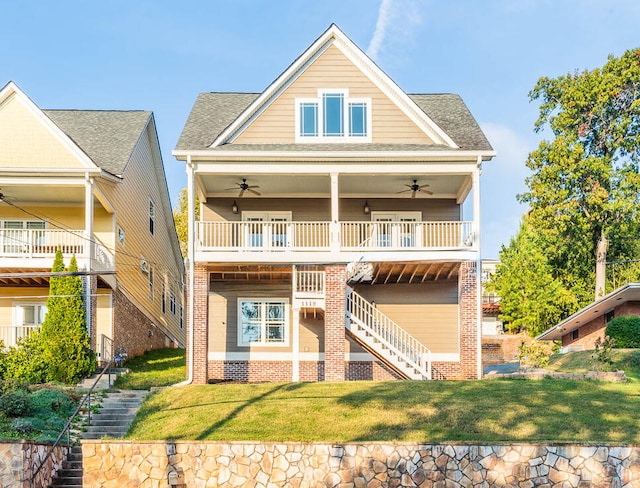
(67, 428)
(389, 333)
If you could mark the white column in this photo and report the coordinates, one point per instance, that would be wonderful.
(88, 253)
(191, 217)
(477, 235)
(295, 328)
(335, 222)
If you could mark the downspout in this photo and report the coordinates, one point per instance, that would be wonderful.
(191, 216)
(476, 218)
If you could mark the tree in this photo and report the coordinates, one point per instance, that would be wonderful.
(181, 219)
(64, 339)
(532, 299)
(585, 186)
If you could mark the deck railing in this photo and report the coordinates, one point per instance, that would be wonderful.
(316, 236)
(40, 242)
(11, 334)
(310, 283)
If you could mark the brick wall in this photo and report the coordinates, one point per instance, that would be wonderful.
(200, 324)
(503, 348)
(334, 322)
(469, 320)
(133, 330)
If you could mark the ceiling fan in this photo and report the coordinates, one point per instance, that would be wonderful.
(244, 187)
(415, 188)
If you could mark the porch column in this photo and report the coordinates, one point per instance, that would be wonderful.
(295, 327)
(469, 319)
(88, 253)
(334, 322)
(200, 322)
(477, 232)
(335, 222)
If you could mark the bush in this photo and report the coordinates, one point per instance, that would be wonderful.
(48, 400)
(603, 350)
(27, 425)
(15, 403)
(625, 331)
(534, 355)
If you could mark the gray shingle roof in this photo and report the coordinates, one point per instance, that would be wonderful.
(214, 112)
(108, 137)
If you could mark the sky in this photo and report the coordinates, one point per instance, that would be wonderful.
(158, 55)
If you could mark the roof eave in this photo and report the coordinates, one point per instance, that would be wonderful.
(221, 154)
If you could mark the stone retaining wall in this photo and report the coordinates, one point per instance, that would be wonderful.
(19, 459)
(125, 464)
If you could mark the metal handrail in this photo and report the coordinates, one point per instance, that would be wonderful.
(67, 427)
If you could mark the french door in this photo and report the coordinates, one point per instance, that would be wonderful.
(267, 230)
(396, 229)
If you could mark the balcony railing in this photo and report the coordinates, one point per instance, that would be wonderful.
(43, 243)
(316, 236)
(11, 334)
(310, 283)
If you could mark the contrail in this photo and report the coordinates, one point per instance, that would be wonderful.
(384, 17)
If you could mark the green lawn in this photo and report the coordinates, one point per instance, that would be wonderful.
(160, 367)
(439, 411)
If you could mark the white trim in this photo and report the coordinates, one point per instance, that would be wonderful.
(441, 357)
(263, 343)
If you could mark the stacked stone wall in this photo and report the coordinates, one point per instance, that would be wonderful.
(20, 459)
(115, 464)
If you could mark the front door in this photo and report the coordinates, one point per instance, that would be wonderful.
(396, 229)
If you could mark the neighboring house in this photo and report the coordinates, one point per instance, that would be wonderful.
(580, 331)
(331, 243)
(92, 184)
(491, 324)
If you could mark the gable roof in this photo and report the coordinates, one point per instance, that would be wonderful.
(213, 112)
(108, 137)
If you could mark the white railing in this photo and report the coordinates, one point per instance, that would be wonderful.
(310, 283)
(387, 236)
(11, 334)
(379, 326)
(40, 242)
(102, 258)
(263, 236)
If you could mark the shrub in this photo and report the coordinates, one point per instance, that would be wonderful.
(48, 400)
(603, 350)
(26, 425)
(625, 331)
(25, 362)
(15, 403)
(534, 355)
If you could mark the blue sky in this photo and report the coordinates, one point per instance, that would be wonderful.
(158, 55)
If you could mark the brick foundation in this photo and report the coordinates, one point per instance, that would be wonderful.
(334, 322)
(133, 330)
(469, 320)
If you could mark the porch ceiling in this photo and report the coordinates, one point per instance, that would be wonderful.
(414, 272)
(383, 186)
(24, 280)
(251, 273)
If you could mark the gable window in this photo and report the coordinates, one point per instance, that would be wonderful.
(152, 216)
(262, 322)
(333, 117)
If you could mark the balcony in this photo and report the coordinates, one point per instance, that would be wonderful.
(318, 237)
(36, 248)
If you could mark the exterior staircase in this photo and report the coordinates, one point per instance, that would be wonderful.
(386, 340)
(113, 419)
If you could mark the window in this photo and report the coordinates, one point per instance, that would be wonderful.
(575, 334)
(608, 317)
(152, 216)
(181, 316)
(120, 236)
(164, 299)
(150, 283)
(172, 303)
(333, 117)
(27, 317)
(262, 321)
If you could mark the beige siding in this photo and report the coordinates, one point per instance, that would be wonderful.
(25, 141)
(104, 315)
(311, 333)
(334, 70)
(223, 314)
(428, 311)
(9, 295)
(130, 199)
(319, 209)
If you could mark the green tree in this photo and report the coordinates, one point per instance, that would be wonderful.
(64, 339)
(585, 186)
(181, 219)
(532, 300)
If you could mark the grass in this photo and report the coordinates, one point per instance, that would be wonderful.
(160, 367)
(460, 411)
(627, 360)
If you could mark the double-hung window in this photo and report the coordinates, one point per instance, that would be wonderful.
(333, 117)
(262, 322)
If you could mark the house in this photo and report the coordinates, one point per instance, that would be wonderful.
(491, 324)
(580, 331)
(331, 243)
(90, 183)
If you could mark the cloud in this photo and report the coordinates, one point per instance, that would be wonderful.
(512, 150)
(396, 20)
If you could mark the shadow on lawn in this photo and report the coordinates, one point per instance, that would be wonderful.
(502, 410)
